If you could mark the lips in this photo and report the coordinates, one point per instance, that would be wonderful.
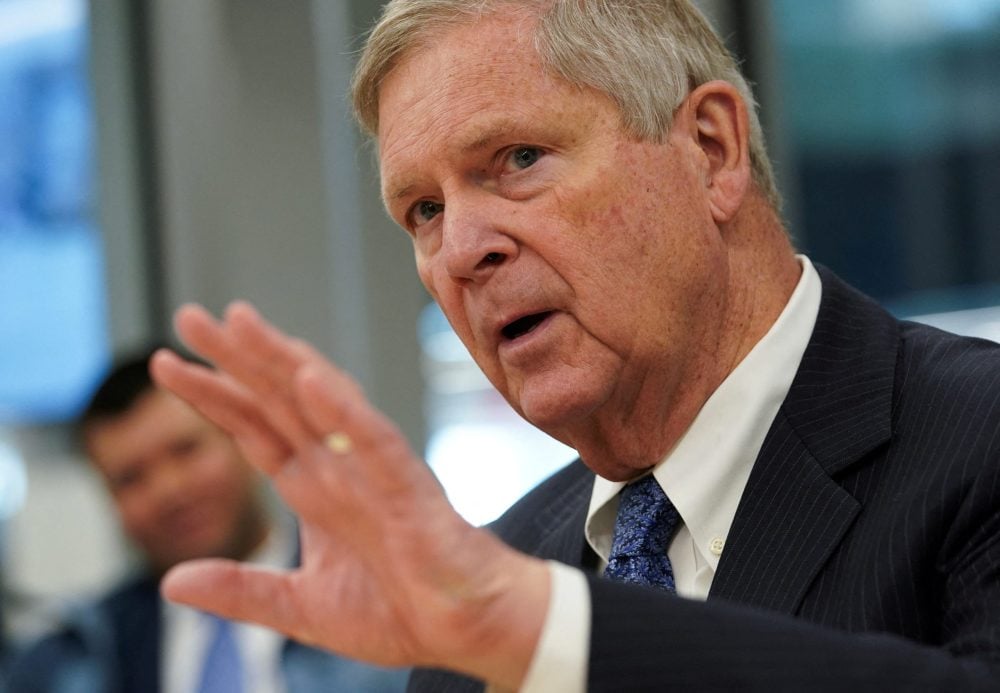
(523, 325)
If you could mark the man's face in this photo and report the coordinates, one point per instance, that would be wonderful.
(580, 267)
(181, 488)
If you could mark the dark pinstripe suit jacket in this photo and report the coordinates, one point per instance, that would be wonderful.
(865, 552)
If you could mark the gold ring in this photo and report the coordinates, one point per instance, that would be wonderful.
(339, 443)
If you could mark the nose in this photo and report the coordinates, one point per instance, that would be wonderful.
(168, 484)
(474, 241)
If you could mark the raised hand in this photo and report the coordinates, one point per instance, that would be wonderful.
(390, 573)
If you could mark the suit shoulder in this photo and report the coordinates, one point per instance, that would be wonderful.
(133, 604)
(79, 648)
(557, 495)
(944, 370)
(946, 413)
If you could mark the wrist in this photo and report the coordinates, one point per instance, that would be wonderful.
(498, 627)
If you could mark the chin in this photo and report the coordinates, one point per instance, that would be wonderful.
(196, 550)
(557, 413)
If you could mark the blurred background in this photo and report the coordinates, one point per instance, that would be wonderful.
(159, 151)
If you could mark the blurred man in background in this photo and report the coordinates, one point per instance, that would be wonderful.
(182, 491)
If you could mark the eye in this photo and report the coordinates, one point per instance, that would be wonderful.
(424, 211)
(524, 157)
(124, 479)
(185, 447)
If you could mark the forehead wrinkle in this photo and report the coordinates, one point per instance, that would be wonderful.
(482, 137)
(461, 86)
(476, 134)
(395, 187)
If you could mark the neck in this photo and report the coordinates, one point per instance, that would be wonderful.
(760, 274)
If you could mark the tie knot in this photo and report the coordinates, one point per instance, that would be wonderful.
(646, 520)
(645, 524)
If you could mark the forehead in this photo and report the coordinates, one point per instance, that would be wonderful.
(462, 89)
(157, 415)
(452, 61)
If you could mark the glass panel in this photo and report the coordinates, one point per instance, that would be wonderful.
(53, 333)
(894, 118)
(52, 306)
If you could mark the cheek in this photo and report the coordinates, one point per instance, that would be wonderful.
(138, 513)
(644, 226)
(223, 469)
(449, 297)
(423, 264)
(436, 282)
(607, 249)
(615, 212)
(639, 250)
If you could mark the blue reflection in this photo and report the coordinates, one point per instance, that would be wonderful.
(52, 309)
(13, 481)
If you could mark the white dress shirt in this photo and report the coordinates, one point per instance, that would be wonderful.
(703, 475)
(187, 631)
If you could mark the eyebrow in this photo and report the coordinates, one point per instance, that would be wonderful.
(495, 131)
(400, 192)
(482, 140)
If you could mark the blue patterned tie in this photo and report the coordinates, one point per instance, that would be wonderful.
(645, 524)
(222, 671)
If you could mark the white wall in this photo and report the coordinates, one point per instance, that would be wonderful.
(267, 194)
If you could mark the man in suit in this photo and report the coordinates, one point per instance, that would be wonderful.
(805, 489)
(182, 491)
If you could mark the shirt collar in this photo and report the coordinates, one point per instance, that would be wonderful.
(705, 473)
(186, 630)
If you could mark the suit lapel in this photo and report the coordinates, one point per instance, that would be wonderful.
(136, 620)
(790, 519)
(561, 523)
(794, 514)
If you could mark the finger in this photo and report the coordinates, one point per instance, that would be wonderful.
(278, 354)
(217, 342)
(225, 403)
(237, 354)
(379, 453)
(204, 335)
(331, 402)
(237, 591)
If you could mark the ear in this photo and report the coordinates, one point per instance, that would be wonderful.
(720, 130)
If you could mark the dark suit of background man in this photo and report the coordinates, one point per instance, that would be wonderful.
(182, 491)
(590, 203)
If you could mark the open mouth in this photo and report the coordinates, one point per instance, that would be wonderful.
(523, 326)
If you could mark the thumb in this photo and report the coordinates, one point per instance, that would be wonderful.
(235, 591)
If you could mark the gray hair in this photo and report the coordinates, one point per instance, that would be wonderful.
(646, 55)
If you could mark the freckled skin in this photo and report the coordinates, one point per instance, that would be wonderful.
(623, 239)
